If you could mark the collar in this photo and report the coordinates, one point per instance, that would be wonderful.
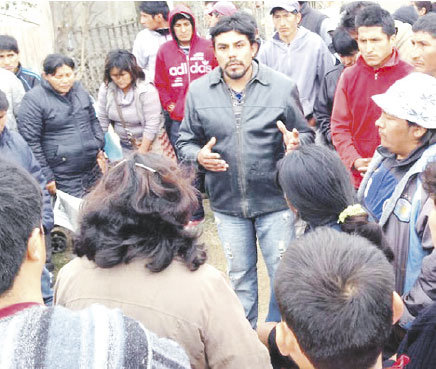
(163, 31)
(15, 308)
(19, 70)
(259, 74)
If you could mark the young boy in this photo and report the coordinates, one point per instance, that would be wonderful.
(10, 60)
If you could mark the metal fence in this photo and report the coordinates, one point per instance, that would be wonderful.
(89, 47)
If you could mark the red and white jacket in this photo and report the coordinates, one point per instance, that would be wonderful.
(175, 70)
(354, 133)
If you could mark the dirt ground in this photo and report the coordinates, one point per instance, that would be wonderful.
(216, 257)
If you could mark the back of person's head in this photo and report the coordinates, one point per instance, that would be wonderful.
(154, 8)
(375, 16)
(406, 14)
(123, 60)
(8, 43)
(55, 61)
(318, 186)
(343, 43)
(348, 13)
(424, 6)
(316, 183)
(426, 23)
(139, 210)
(21, 213)
(429, 181)
(4, 103)
(240, 22)
(335, 293)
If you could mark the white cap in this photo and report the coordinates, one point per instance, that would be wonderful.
(289, 6)
(412, 98)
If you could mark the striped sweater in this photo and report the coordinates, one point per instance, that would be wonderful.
(96, 337)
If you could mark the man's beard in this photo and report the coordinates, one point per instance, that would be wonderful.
(236, 75)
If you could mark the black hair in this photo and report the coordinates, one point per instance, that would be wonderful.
(240, 22)
(429, 179)
(348, 13)
(4, 103)
(334, 292)
(343, 43)
(139, 210)
(317, 184)
(154, 8)
(21, 213)
(54, 61)
(426, 23)
(375, 16)
(427, 5)
(124, 60)
(182, 15)
(8, 43)
(406, 14)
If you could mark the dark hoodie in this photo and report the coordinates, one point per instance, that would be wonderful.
(175, 70)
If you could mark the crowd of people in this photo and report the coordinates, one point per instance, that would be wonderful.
(331, 126)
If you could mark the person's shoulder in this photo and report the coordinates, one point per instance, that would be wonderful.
(275, 78)
(204, 82)
(29, 73)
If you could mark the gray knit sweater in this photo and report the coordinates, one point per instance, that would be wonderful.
(41, 337)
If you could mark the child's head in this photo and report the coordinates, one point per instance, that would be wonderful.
(9, 53)
(336, 296)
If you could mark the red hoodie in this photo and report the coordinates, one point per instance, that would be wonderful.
(175, 70)
(354, 133)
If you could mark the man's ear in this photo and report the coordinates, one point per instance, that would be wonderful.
(397, 307)
(285, 339)
(288, 346)
(299, 17)
(254, 48)
(36, 246)
(419, 131)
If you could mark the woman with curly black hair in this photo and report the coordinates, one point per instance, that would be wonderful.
(134, 253)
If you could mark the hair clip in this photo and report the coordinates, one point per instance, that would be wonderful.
(119, 163)
(145, 167)
(350, 211)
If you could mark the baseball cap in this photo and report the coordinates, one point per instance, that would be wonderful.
(290, 6)
(412, 98)
(224, 8)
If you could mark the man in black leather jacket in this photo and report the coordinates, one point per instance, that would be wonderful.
(230, 128)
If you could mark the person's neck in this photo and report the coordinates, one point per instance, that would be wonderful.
(404, 155)
(287, 39)
(26, 288)
(238, 85)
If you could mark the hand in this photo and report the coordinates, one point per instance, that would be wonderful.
(290, 139)
(171, 107)
(312, 122)
(102, 161)
(210, 160)
(361, 165)
(51, 188)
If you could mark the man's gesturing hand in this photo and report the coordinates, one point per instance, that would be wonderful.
(210, 160)
(291, 139)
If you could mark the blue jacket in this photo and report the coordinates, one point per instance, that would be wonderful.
(402, 208)
(15, 149)
(27, 78)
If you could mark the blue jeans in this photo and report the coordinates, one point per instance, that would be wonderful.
(238, 236)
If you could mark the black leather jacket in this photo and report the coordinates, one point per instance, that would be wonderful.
(323, 107)
(252, 148)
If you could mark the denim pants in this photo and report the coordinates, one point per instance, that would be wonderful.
(238, 236)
